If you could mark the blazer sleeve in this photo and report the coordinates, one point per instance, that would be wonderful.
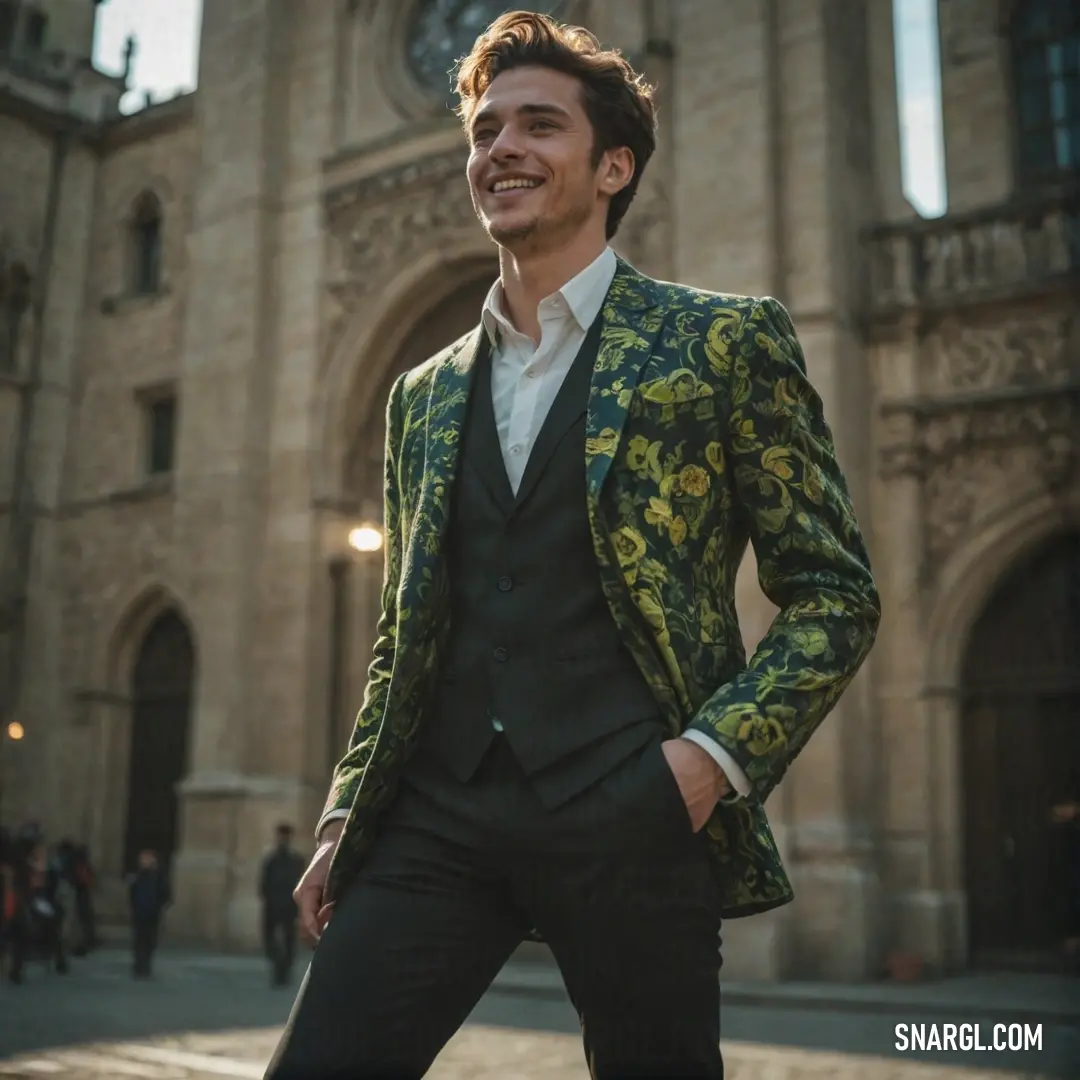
(812, 560)
(350, 769)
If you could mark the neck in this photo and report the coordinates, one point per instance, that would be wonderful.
(528, 278)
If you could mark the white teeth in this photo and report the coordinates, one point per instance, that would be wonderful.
(506, 185)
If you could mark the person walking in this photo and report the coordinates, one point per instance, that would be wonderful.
(149, 895)
(281, 872)
(561, 732)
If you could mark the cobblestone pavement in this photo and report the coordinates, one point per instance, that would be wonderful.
(215, 1017)
(478, 1052)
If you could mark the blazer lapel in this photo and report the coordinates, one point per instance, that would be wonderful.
(448, 402)
(633, 315)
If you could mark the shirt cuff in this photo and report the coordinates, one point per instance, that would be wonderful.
(332, 815)
(738, 780)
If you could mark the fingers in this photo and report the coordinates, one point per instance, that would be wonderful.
(309, 902)
(323, 917)
(309, 894)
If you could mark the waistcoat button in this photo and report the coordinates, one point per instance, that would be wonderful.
(505, 583)
(501, 655)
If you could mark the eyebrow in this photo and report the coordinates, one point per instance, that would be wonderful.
(541, 109)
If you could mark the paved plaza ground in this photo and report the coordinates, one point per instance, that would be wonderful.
(206, 1016)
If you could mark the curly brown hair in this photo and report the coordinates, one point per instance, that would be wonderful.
(617, 100)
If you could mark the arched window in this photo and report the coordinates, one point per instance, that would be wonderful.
(146, 222)
(1046, 72)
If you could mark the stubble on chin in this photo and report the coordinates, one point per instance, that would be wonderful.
(538, 233)
(515, 234)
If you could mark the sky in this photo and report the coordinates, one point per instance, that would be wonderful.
(166, 61)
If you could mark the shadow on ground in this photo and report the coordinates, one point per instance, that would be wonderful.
(99, 1001)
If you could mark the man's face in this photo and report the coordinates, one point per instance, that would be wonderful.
(147, 860)
(533, 183)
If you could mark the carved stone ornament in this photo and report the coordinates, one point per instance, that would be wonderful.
(386, 221)
(977, 461)
(959, 357)
(898, 441)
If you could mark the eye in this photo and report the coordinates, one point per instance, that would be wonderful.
(540, 125)
(483, 135)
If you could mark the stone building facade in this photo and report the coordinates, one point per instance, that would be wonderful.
(202, 306)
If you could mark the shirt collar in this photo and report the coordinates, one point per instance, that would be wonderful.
(584, 295)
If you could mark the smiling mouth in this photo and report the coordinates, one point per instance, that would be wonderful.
(501, 186)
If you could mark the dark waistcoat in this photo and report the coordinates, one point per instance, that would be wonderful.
(531, 639)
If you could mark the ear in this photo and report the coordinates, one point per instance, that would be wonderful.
(616, 170)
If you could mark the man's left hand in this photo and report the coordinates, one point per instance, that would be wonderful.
(701, 781)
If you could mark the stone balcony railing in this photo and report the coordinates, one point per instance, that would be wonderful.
(1009, 250)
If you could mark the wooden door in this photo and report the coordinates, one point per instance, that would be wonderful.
(1021, 755)
(162, 688)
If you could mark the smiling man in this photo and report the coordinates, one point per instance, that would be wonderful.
(561, 730)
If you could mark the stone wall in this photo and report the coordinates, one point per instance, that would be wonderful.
(976, 108)
(48, 192)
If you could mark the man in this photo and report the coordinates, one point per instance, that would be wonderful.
(1065, 815)
(149, 896)
(281, 871)
(560, 730)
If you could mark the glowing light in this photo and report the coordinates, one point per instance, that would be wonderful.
(366, 538)
(15, 730)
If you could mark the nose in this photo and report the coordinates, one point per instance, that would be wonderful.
(506, 146)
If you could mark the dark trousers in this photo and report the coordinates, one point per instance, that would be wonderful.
(279, 942)
(143, 944)
(31, 933)
(84, 912)
(616, 881)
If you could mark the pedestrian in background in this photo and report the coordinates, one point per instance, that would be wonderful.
(1066, 816)
(281, 872)
(33, 913)
(149, 896)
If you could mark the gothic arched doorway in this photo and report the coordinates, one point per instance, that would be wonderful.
(162, 690)
(434, 328)
(1020, 756)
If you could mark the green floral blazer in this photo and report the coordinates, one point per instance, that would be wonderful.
(703, 433)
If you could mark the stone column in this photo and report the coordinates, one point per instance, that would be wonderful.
(103, 776)
(243, 513)
(286, 724)
(978, 114)
(49, 362)
(906, 783)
